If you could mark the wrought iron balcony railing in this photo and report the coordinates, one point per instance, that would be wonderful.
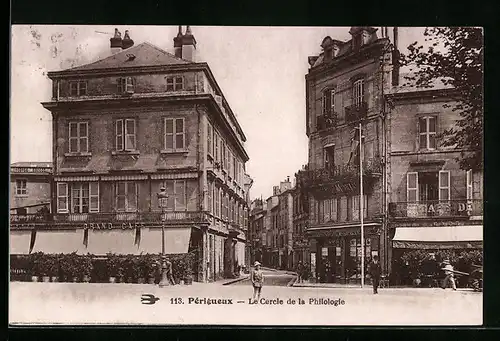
(437, 208)
(356, 112)
(327, 120)
(105, 217)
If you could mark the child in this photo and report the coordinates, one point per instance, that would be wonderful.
(257, 278)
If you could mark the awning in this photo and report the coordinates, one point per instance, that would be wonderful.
(20, 242)
(119, 241)
(447, 237)
(176, 240)
(59, 241)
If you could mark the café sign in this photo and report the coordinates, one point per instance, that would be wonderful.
(110, 226)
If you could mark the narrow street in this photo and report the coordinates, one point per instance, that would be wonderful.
(214, 303)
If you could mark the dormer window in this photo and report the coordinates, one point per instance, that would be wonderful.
(126, 85)
(78, 88)
(175, 83)
(336, 51)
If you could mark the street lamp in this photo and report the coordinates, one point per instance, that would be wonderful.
(162, 203)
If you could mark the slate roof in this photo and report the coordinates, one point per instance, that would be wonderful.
(146, 54)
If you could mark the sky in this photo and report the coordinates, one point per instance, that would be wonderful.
(261, 71)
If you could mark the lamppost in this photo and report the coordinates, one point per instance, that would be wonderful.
(162, 203)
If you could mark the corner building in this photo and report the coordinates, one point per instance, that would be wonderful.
(344, 89)
(131, 123)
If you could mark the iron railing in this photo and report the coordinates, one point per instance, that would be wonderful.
(437, 208)
(103, 217)
(356, 112)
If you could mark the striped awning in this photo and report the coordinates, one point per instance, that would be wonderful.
(124, 177)
(166, 176)
(20, 242)
(76, 178)
(101, 242)
(176, 240)
(59, 241)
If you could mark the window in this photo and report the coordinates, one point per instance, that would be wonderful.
(328, 101)
(329, 155)
(470, 193)
(176, 191)
(217, 201)
(210, 197)
(412, 187)
(21, 188)
(235, 168)
(84, 197)
(358, 92)
(62, 197)
(126, 196)
(216, 147)
(78, 88)
(126, 85)
(175, 136)
(332, 101)
(209, 139)
(224, 155)
(175, 83)
(125, 134)
(343, 209)
(427, 132)
(428, 186)
(444, 185)
(78, 137)
(356, 207)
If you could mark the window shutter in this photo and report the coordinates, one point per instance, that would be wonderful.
(412, 187)
(119, 135)
(444, 185)
(62, 197)
(469, 184)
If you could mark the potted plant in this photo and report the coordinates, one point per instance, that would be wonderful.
(53, 268)
(86, 267)
(113, 266)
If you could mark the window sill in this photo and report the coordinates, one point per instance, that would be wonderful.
(125, 152)
(21, 195)
(174, 151)
(77, 154)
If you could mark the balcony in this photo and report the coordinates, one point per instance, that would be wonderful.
(342, 179)
(327, 120)
(356, 112)
(437, 209)
(107, 218)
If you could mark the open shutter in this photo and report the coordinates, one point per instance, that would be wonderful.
(62, 197)
(469, 184)
(119, 135)
(412, 187)
(444, 185)
(94, 196)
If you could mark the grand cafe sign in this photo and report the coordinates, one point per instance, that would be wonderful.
(110, 226)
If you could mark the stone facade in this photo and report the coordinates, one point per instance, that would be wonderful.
(30, 186)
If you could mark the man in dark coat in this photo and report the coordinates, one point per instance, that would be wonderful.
(375, 272)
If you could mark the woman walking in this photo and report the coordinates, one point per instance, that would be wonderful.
(257, 278)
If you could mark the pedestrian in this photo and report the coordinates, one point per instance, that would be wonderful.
(257, 278)
(375, 270)
(300, 272)
(448, 271)
(170, 276)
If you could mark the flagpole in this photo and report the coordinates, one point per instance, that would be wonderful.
(361, 208)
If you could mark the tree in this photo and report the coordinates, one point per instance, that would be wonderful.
(454, 57)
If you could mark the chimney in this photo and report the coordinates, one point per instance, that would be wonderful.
(127, 42)
(178, 43)
(188, 46)
(116, 42)
(395, 59)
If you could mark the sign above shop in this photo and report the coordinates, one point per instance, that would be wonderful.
(110, 226)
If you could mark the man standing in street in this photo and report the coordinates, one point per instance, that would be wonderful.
(448, 271)
(375, 271)
(300, 272)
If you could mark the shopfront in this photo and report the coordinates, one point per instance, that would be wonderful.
(338, 252)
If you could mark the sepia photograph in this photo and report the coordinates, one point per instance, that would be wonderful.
(246, 175)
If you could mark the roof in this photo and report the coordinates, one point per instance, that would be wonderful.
(32, 164)
(146, 54)
(407, 86)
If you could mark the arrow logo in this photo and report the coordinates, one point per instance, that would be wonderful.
(149, 299)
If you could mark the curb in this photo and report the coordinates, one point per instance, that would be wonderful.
(236, 280)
